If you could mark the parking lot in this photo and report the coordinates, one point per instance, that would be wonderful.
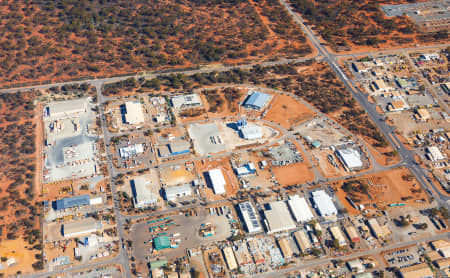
(403, 257)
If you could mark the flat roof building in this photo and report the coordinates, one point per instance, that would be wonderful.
(355, 265)
(302, 241)
(416, 271)
(257, 100)
(337, 235)
(443, 263)
(217, 181)
(397, 105)
(133, 113)
(422, 115)
(186, 101)
(251, 132)
(66, 109)
(229, 258)
(246, 169)
(81, 227)
(285, 248)
(350, 157)
(176, 147)
(377, 230)
(161, 242)
(278, 218)
(70, 202)
(440, 244)
(433, 153)
(173, 192)
(132, 150)
(142, 195)
(299, 208)
(352, 233)
(248, 214)
(380, 87)
(324, 203)
(158, 263)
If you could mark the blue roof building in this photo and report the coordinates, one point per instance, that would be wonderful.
(257, 100)
(76, 201)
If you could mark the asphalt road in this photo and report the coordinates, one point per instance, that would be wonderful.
(406, 155)
(389, 132)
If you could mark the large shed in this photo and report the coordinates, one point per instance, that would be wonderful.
(142, 195)
(133, 112)
(80, 227)
(324, 203)
(76, 201)
(278, 218)
(161, 242)
(257, 100)
(217, 181)
(300, 209)
(248, 214)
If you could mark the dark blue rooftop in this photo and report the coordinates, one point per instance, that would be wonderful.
(76, 201)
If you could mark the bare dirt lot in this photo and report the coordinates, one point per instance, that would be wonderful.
(298, 173)
(388, 187)
(288, 112)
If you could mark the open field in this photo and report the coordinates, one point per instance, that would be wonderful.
(382, 189)
(63, 40)
(361, 26)
(287, 112)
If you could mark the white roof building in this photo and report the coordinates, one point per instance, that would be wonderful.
(217, 181)
(251, 132)
(434, 153)
(300, 209)
(350, 157)
(338, 235)
(65, 109)
(302, 241)
(81, 227)
(132, 150)
(249, 216)
(324, 203)
(174, 192)
(429, 56)
(186, 101)
(134, 114)
(278, 218)
(143, 196)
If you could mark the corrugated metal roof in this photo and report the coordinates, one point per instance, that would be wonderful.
(162, 242)
(76, 201)
(257, 100)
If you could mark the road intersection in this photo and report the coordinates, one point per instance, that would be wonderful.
(406, 155)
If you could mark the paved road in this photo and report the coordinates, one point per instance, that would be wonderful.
(153, 74)
(406, 155)
(390, 51)
(388, 131)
